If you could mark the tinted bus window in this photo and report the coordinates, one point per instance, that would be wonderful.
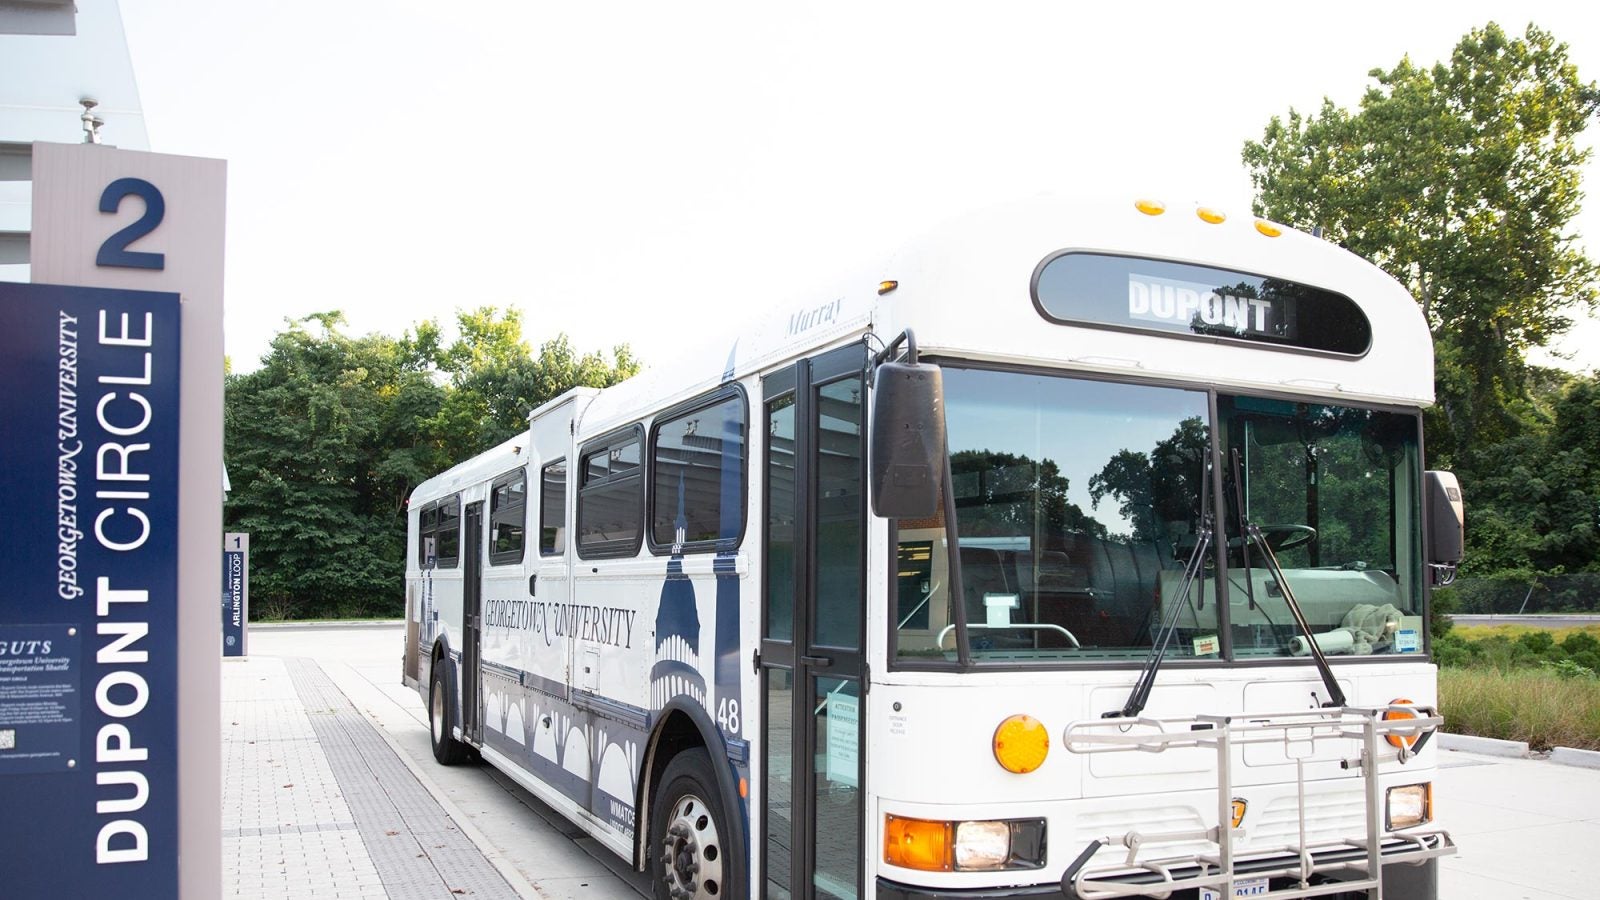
(697, 491)
(611, 498)
(449, 534)
(553, 509)
(507, 512)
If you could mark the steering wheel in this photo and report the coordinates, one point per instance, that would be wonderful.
(1287, 536)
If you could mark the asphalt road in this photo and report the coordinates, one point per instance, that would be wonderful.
(1525, 828)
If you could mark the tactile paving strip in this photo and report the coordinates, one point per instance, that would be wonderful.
(418, 851)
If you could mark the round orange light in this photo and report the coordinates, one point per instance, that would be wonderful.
(1391, 715)
(1267, 228)
(1150, 207)
(1207, 214)
(1020, 744)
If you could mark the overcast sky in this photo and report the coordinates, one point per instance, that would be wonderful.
(636, 172)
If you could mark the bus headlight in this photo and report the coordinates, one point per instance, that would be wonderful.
(982, 845)
(1409, 805)
(971, 846)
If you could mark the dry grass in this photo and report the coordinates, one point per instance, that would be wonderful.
(1479, 632)
(1530, 705)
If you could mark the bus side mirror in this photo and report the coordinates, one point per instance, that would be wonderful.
(1446, 519)
(907, 432)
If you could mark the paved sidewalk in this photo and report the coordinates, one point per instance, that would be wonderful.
(317, 804)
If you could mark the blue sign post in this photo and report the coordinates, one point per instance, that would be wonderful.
(89, 713)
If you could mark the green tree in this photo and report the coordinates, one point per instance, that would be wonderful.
(1159, 487)
(1461, 180)
(322, 443)
(326, 440)
(496, 381)
(1008, 494)
(1536, 497)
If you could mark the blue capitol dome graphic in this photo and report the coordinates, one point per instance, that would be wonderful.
(677, 667)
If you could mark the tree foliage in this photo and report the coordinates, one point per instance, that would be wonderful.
(1005, 494)
(1159, 487)
(325, 441)
(1460, 180)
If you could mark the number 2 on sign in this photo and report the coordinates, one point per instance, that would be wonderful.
(114, 252)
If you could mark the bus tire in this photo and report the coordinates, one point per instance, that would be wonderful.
(446, 749)
(691, 857)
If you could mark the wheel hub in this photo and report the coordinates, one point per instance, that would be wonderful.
(691, 852)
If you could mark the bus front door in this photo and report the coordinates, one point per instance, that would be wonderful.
(811, 649)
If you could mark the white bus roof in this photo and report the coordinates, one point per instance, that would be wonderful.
(966, 290)
(497, 460)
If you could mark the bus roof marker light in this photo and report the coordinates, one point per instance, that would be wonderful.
(1267, 228)
(885, 287)
(1214, 216)
(1020, 744)
(1150, 207)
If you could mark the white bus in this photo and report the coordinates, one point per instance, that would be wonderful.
(1139, 606)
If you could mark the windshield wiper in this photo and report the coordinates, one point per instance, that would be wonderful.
(1251, 532)
(1191, 571)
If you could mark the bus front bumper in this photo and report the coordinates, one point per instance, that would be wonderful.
(1404, 875)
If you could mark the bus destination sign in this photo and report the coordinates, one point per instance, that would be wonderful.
(1184, 299)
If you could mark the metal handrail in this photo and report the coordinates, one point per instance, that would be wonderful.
(1015, 626)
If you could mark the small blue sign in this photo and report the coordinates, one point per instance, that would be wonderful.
(233, 563)
(89, 470)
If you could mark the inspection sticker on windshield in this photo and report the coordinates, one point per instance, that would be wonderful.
(1206, 646)
(1407, 641)
(1243, 887)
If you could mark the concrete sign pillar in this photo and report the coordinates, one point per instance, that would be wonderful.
(149, 228)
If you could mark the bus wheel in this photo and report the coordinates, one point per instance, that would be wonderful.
(446, 749)
(688, 829)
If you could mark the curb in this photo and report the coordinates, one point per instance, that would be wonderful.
(1569, 756)
(1489, 746)
(306, 624)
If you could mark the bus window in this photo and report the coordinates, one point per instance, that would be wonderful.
(698, 461)
(449, 534)
(553, 509)
(427, 525)
(1076, 500)
(610, 497)
(507, 513)
(1335, 492)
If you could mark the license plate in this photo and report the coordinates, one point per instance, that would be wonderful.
(1242, 887)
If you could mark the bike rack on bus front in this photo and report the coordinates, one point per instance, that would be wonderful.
(1364, 727)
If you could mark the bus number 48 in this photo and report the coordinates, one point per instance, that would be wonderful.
(728, 716)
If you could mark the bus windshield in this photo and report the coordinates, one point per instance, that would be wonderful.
(1078, 503)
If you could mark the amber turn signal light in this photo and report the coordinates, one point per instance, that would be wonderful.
(916, 844)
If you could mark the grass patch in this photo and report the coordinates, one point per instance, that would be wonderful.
(1477, 632)
(1533, 705)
